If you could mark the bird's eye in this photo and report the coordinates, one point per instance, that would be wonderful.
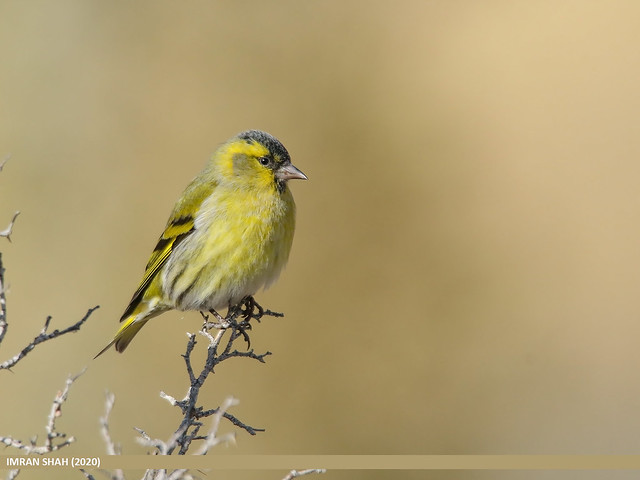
(264, 161)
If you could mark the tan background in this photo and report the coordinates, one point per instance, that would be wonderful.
(466, 267)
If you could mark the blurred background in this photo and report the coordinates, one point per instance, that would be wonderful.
(465, 273)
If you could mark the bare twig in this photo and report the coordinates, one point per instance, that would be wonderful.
(300, 473)
(7, 231)
(3, 304)
(220, 347)
(165, 448)
(51, 443)
(112, 448)
(217, 351)
(212, 438)
(12, 474)
(43, 336)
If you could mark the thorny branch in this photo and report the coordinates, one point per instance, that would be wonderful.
(7, 231)
(218, 351)
(13, 474)
(55, 440)
(3, 304)
(43, 336)
(191, 427)
(300, 473)
(112, 448)
(87, 475)
(210, 440)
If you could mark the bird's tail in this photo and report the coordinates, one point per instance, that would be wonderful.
(127, 331)
(130, 327)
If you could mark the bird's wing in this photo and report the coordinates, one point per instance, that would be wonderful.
(180, 225)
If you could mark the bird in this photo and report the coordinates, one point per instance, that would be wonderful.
(229, 235)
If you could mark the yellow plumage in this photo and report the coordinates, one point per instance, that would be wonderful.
(229, 235)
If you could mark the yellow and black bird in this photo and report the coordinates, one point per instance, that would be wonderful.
(229, 235)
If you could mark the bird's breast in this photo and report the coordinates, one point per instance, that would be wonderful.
(237, 247)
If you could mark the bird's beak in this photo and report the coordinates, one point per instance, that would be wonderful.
(289, 172)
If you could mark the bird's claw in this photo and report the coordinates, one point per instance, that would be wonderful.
(245, 309)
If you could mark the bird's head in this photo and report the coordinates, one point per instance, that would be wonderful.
(255, 159)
